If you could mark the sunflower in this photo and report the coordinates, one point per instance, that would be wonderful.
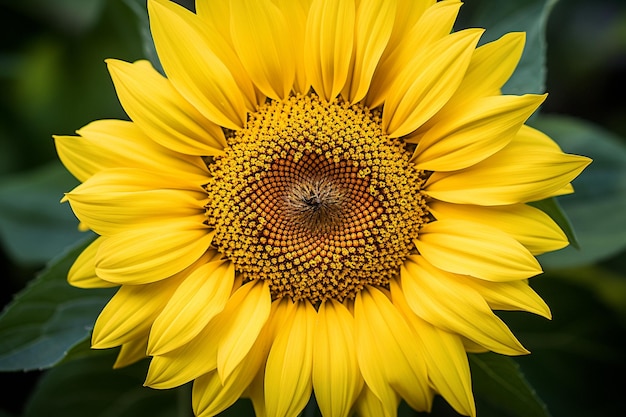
(319, 197)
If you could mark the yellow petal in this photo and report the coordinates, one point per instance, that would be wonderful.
(329, 42)
(199, 356)
(368, 404)
(445, 301)
(215, 16)
(446, 360)
(468, 248)
(130, 313)
(408, 15)
(105, 144)
(153, 252)
(261, 35)
(388, 352)
(117, 200)
(528, 225)
(131, 352)
(491, 66)
(475, 132)
(374, 23)
(514, 295)
(296, 12)
(200, 297)
(212, 394)
(524, 170)
(435, 23)
(427, 82)
(82, 274)
(192, 66)
(243, 327)
(337, 380)
(288, 387)
(161, 112)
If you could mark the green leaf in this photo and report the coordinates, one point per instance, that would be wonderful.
(34, 225)
(597, 207)
(140, 11)
(49, 317)
(90, 387)
(501, 17)
(501, 390)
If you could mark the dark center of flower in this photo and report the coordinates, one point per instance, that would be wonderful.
(312, 197)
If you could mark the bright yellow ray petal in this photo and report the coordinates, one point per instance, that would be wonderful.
(368, 404)
(388, 352)
(255, 392)
(261, 35)
(469, 248)
(435, 23)
(193, 67)
(161, 112)
(130, 313)
(288, 387)
(445, 301)
(200, 297)
(337, 380)
(491, 66)
(446, 360)
(117, 200)
(105, 144)
(329, 42)
(296, 12)
(153, 252)
(514, 295)
(408, 15)
(131, 352)
(82, 274)
(524, 170)
(427, 82)
(475, 132)
(528, 225)
(215, 16)
(373, 26)
(243, 328)
(199, 356)
(212, 394)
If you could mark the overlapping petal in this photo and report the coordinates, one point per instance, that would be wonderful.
(427, 82)
(435, 23)
(161, 112)
(475, 132)
(336, 377)
(82, 273)
(468, 248)
(118, 200)
(261, 35)
(328, 56)
(388, 351)
(193, 66)
(153, 252)
(106, 144)
(130, 313)
(435, 296)
(525, 170)
(528, 225)
(199, 298)
(288, 387)
(373, 26)
(446, 360)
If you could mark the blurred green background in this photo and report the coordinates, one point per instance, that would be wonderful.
(53, 81)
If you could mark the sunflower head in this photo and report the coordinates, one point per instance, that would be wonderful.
(316, 197)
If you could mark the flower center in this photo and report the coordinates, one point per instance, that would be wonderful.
(312, 197)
